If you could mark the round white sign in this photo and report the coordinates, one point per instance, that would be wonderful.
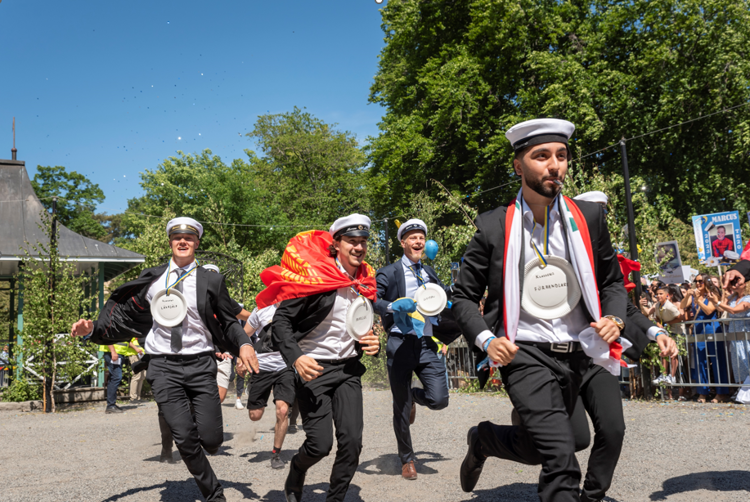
(169, 309)
(359, 318)
(431, 299)
(550, 292)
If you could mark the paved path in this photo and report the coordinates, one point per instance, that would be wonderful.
(674, 452)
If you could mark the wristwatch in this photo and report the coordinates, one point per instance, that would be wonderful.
(616, 320)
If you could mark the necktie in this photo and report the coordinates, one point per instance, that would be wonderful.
(176, 339)
(418, 273)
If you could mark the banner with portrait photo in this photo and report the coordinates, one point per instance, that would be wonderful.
(718, 237)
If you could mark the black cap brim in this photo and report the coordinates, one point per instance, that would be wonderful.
(352, 233)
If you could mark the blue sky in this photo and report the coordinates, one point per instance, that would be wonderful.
(110, 89)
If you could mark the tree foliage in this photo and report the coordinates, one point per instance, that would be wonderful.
(314, 170)
(53, 301)
(454, 76)
(77, 201)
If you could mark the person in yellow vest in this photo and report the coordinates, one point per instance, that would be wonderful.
(113, 356)
(136, 381)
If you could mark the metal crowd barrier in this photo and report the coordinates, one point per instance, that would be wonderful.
(718, 358)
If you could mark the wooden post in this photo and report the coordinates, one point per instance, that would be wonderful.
(100, 372)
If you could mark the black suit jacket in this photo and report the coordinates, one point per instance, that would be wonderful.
(295, 319)
(482, 270)
(636, 327)
(392, 286)
(127, 313)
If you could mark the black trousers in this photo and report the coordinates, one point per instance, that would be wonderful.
(408, 354)
(177, 385)
(334, 398)
(600, 397)
(544, 391)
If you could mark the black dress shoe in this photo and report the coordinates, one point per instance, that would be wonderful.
(114, 409)
(471, 467)
(295, 481)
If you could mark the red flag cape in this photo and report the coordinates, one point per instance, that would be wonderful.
(628, 266)
(308, 269)
(746, 252)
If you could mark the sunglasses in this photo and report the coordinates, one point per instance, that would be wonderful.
(699, 281)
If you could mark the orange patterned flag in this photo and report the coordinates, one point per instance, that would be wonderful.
(308, 269)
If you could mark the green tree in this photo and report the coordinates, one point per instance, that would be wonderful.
(77, 199)
(314, 170)
(53, 301)
(231, 203)
(453, 76)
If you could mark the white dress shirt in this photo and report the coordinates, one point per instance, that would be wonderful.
(195, 336)
(271, 361)
(330, 340)
(531, 328)
(412, 285)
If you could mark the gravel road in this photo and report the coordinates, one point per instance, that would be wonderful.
(674, 452)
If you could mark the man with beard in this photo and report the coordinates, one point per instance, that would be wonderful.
(322, 276)
(410, 350)
(538, 258)
(181, 347)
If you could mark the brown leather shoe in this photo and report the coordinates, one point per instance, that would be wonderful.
(413, 413)
(408, 471)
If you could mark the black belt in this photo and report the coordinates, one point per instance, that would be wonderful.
(555, 348)
(182, 357)
(335, 362)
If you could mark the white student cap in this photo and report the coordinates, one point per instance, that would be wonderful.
(184, 225)
(538, 131)
(354, 225)
(409, 225)
(594, 196)
(211, 267)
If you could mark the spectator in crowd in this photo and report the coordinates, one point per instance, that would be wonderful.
(699, 299)
(666, 314)
(113, 357)
(736, 303)
(647, 303)
(4, 363)
(136, 381)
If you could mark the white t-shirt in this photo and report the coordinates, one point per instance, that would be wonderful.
(270, 362)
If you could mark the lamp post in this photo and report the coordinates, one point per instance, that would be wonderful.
(631, 218)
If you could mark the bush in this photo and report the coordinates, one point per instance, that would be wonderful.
(21, 390)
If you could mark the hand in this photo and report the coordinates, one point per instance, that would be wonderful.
(606, 329)
(445, 349)
(644, 302)
(501, 350)
(82, 328)
(713, 298)
(224, 356)
(308, 368)
(404, 305)
(370, 343)
(140, 351)
(240, 368)
(730, 276)
(667, 345)
(248, 358)
(115, 357)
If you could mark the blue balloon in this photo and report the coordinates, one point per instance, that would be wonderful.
(431, 249)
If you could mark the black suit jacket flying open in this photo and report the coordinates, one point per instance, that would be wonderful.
(127, 313)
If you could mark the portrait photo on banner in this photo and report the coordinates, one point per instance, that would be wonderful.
(718, 235)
